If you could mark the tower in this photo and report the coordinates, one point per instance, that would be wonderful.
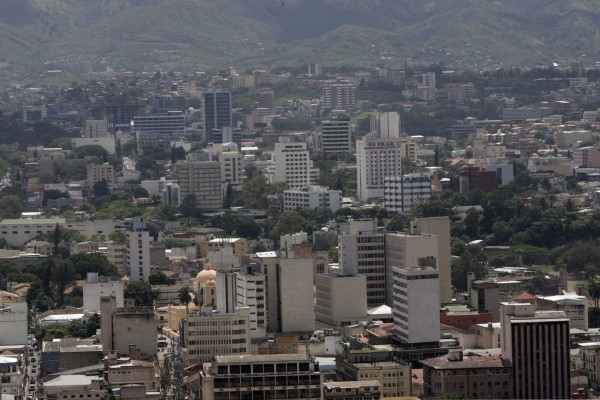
(138, 251)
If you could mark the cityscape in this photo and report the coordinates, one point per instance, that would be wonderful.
(304, 217)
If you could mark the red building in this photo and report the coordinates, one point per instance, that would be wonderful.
(473, 179)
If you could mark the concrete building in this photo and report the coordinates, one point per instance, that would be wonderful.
(469, 376)
(170, 125)
(376, 158)
(268, 376)
(251, 293)
(484, 296)
(362, 252)
(205, 334)
(138, 251)
(590, 357)
(334, 307)
(107, 143)
(336, 136)
(339, 96)
(129, 371)
(428, 79)
(217, 111)
(13, 324)
(312, 196)
(289, 288)
(95, 128)
(156, 186)
(352, 390)
(17, 232)
(70, 353)
(172, 195)
(130, 325)
(287, 242)
(416, 304)
(226, 297)
(537, 345)
(504, 172)
(574, 306)
(587, 157)
(100, 172)
(231, 169)
(401, 193)
(291, 163)
(96, 287)
(201, 179)
(116, 254)
(389, 125)
(440, 227)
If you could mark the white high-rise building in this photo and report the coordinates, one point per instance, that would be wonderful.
(401, 192)
(376, 158)
(428, 79)
(416, 304)
(231, 169)
(138, 251)
(291, 163)
(226, 294)
(251, 293)
(440, 227)
(336, 136)
(389, 125)
(362, 252)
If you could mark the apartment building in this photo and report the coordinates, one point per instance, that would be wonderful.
(251, 293)
(336, 136)
(376, 158)
(138, 251)
(333, 305)
(291, 163)
(202, 180)
(312, 196)
(339, 96)
(100, 172)
(401, 193)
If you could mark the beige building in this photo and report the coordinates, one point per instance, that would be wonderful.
(100, 172)
(130, 325)
(334, 307)
(289, 288)
(204, 335)
(352, 390)
(395, 378)
(239, 245)
(201, 179)
(129, 371)
(116, 253)
(267, 376)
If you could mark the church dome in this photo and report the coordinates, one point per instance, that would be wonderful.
(205, 275)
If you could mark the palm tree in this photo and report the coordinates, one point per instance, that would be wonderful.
(185, 297)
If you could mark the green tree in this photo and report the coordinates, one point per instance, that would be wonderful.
(472, 223)
(157, 277)
(91, 262)
(142, 293)
(593, 290)
(101, 188)
(185, 297)
(62, 277)
(43, 302)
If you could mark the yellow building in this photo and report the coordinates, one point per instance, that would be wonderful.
(240, 245)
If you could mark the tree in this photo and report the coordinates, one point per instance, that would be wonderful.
(188, 206)
(63, 277)
(43, 302)
(91, 262)
(472, 223)
(142, 293)
(594, 291)
(185, 297)
(436, 157)
(157, 277)
(227, 201)
(101, 188)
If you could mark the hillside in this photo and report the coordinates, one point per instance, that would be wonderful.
(197, 34)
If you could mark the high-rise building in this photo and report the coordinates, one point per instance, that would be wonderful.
(171, 124)
(138, 251)
(315, 69)
(537, 345)
(291, 163)
(231, 169)
(400, 193)
(226, 291)
(376, 158)
(268, 376)
(333, 305)
(339, 96)
(95, 128)
(266, 98)
(428, 79)
(250, 292)
(289, 289)
(201, 179)
(389, 125)
(205, 334)
(416, 304)
(217, 111)
(96, 287)
(440, 227)
(172, 194)
(362, 252)
(336, 136)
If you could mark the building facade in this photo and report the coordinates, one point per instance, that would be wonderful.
(291, 163)
(138, 251)
(251, 293)
(401, 193)
(336, 136)
(202, 180)
(376, 158)
(312, 196)
(339, 96)
(333, 305)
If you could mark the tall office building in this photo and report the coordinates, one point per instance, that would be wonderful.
(138, 251)
(266, 98)
(336, 136)
(362, 252)
(333, 306)
(407, 251)
(376, 158)
(217, 111)
(537, 345)
(289, 289)
(226, 291)
(416, 304)
(201, 179)
(440, 227)
(389, 125)
(400, 193)
(291, 163)
(231, 169)
(250, 292)
(339, 96)
(171, 195)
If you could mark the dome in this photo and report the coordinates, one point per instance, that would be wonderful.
(210, 283)
(206, 274)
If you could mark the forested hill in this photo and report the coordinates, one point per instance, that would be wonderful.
(195, 34)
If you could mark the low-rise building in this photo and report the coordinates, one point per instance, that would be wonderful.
(469, 376)
(96, 287)
(70, 353)
(400, 193)
(574, 306)
(313, 196)
(352, 390)
(12, 374)
(13, 324)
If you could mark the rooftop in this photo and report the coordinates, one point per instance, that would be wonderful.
(260, 358)
(351, 384)
(474, 361)
(35, 221)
